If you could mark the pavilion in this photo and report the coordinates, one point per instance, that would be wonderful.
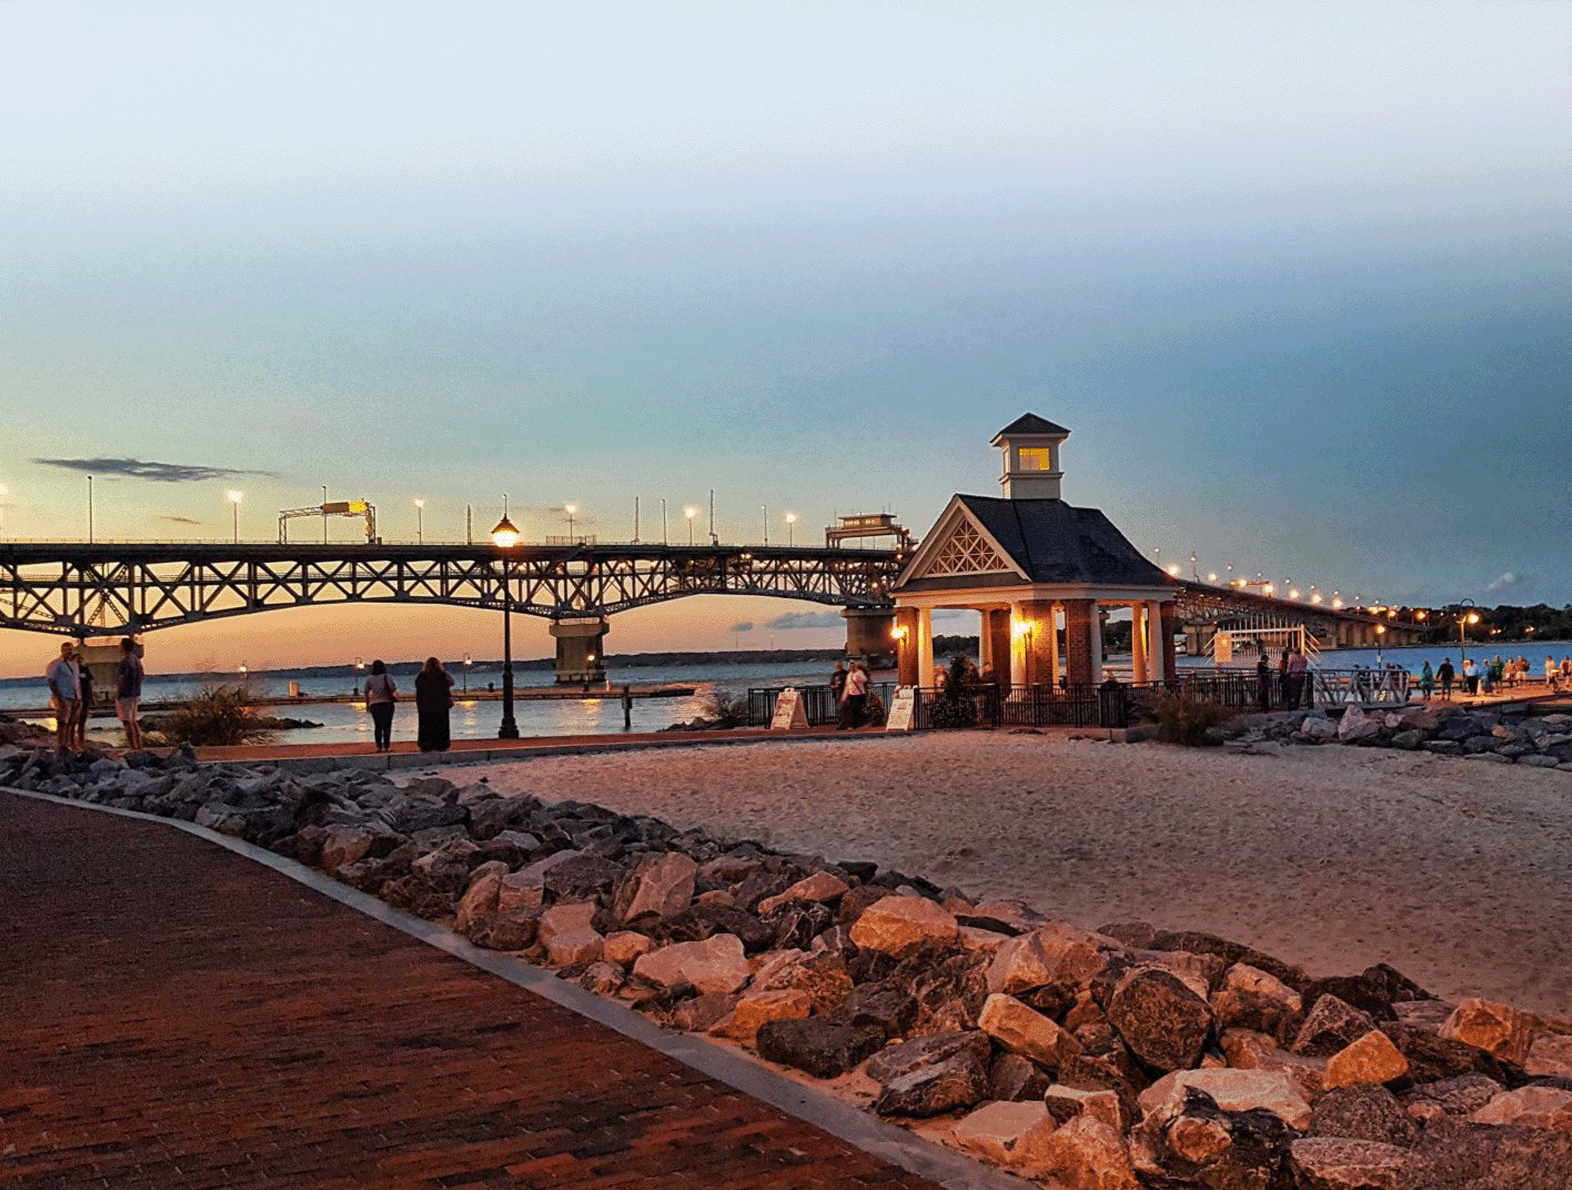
(1038, 570)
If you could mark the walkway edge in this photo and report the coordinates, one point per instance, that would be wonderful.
(898, 1146)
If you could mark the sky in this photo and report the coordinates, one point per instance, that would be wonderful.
(1297, 277)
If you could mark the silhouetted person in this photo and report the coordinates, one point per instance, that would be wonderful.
(84, 706)
(433, 697)
(381, 695)
(1446, 675)
(64, 693)
(1263, 683)
(128, 692)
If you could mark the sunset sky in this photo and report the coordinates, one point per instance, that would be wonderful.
(1296, 276)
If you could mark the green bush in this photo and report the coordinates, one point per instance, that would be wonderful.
(216, 716)
(1184, 720)
(725, 709)
(955, 706)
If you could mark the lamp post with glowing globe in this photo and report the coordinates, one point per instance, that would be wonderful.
(1465, 616)
(505, 536)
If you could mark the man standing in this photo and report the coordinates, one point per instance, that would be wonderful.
(128, 692)
(65, 691)
(1298, 667)
(854, 699)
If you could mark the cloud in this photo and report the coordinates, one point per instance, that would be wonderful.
(182, 520)
(145, 469)
(741, 626)
(807, 620)
(1509, 579)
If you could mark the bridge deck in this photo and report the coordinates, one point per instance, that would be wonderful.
(179, 1017)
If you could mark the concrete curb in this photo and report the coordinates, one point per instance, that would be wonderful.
(888, 1142)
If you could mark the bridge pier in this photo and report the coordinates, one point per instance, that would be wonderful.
(869, 635)
(580, 657)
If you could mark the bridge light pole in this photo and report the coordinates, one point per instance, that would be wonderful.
(570, 509)
(420, 522)
(1466, 616)
(690, 512)
(467, 664)
(791, 521)
(234, 506)
(505, 536)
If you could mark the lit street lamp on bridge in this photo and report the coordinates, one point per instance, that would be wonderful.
(791, 521)
(420, 522)
(690, 512)
(570, 509)
(505, 536)
(234, 507)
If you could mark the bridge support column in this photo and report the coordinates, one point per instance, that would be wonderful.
(580, 657)
(868, 635)
(906, 623)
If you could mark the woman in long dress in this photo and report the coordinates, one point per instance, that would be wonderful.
(432, 700)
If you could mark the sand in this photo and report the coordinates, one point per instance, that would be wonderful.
(1457, 872)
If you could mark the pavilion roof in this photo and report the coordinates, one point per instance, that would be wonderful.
(1054, 542)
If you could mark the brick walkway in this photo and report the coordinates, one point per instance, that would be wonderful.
(175, 1016)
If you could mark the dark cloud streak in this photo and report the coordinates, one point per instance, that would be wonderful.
(145, 469)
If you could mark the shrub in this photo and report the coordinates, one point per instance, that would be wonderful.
(726, 709)
(216, 716)
(955, 706)
(1184, 720)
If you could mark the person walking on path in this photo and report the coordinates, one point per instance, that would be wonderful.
(837, 685)
(64, 692)
(1471, 677)
(433, 698)
(854, 698)
(1427, 681)
(381, 694)
(1445, 675)
(84, 705)
(128, 692)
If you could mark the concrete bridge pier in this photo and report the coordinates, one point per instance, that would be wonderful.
(1197, 637)
(580, 657)
(870, 635)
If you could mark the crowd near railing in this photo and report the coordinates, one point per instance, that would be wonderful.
(1112, 704)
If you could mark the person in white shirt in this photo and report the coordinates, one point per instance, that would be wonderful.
(65, 691)
(854, 699)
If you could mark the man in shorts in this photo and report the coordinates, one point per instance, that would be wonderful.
(128, 692)
(65, 690)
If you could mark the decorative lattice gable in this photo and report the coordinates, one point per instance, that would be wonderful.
(967, 552)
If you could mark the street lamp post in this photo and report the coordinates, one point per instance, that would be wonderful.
(1465, 616)
(505, 536)
(570, 509)
(766, 508)
(234, 505)
(791, 521)
(690, 512)
(420, 522)
(467, 664)
(324, 515)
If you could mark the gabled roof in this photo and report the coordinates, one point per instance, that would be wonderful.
(1030, 423)
(1053, 542)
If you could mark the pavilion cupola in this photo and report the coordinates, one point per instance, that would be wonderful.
(1030, 445)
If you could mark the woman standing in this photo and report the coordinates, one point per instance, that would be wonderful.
(433, 697)
(381, 694)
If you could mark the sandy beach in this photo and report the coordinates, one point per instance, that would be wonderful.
(1457, 872)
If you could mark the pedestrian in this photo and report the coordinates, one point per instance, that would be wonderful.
(128, 692)
(381, 694)
(1551, 672)
(1298, 673)
(1263, 683)
(837, 686)
(64, 692)
(1427, 681)
(1446, 675)
(433, 698)
(854, 698)
(84, 705)
(1471, 677)
(1486, 677)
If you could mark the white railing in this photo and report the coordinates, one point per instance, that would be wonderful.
(1360, 687)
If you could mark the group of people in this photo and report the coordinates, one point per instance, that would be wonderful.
(1293, 677)
(1493, 675)
(433, 701)
(849, 688)
(71, 695)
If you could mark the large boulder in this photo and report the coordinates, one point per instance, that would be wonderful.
(901, 926)
(947, 1084)
(1066, 1103)
(1330, 1026)
(1023, 1031)
(1164, 1020)
(660, 884)
(886, 1005)
(754, 1009)
(1246, 1049)
(1456, 1155)
(824, 1049)
(821, 976)
(1432, 1057)
(1363, 1112)
(1198, 1143)
(1550, 1054)
(1232, 1091)
(1499, 1029)
(1249, 998)
(1356, 726)
(993, 1131)
(825, 887)
(702, 921)
(1531, 1107)
(717, 964)
(796, 924)
(1369, 1059)
(1054, 955)
(1456, 1098)
(1085, 1154)
(568, 935)
(1012, 1077)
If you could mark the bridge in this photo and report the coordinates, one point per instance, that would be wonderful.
(81, 589)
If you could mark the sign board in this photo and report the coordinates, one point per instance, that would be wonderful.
(901, 708)
(337, 506)
(789, 711)
(1223, 648)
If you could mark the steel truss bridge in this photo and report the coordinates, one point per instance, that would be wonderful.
(115, 588)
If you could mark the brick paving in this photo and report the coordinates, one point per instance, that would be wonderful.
(175, 1016)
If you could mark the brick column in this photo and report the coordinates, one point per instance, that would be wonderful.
(1079, 619)
(1170, 622)
(1039, 644)
(996, 631)
(906, 650)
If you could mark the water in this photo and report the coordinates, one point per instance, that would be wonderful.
(348, 722)
(471, 718)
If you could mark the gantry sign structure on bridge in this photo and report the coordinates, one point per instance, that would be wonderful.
(83, 590)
